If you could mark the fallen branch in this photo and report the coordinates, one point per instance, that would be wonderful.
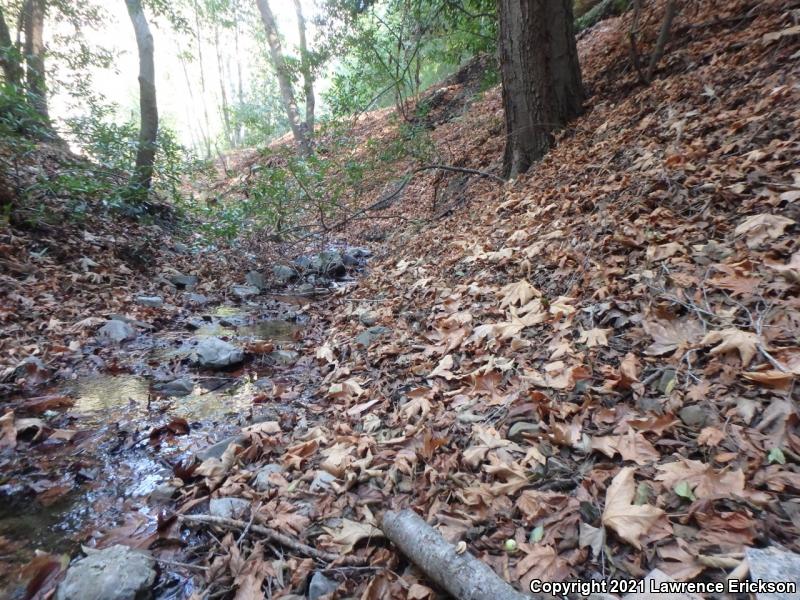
(273, 536)
(462, 575)
(386, 201)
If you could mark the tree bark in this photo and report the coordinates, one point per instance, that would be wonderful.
(226, 118)
(9, 54)
(462, 575)
(34, 56)
(306, 69)
(148, 107)
(284, 83)
(542, 87)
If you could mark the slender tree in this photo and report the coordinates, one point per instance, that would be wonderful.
(301, 134)
(9, 54)
(34, 13)
(306, 68)
(541, 77)
(148, 107)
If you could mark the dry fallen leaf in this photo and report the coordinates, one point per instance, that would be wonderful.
(729, 340)
(629, 521)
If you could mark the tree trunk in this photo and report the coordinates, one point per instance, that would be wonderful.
(226, 118)
(9, 54)
(198, 36)
(287, 94)
(34, 56)
(148, 108)
(306, 68)
(541, 77)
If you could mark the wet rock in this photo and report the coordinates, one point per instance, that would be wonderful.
(117, 331)
(772, 564)
(368, 318)
(284, 357)
(516, 433)
(245, 291)
(320, 585)
(176, 387)
(214, 353)
(694, 416)
(197, 299)
(115, 573)
(151, 301)
(229, 508)
(368, 336)
(186, 282)
(283, 274)
(218, 449)
(261, 482)
(255, 279)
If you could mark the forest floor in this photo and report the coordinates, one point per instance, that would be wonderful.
(597, 360)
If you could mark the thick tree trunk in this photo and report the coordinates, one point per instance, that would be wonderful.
(287, 94)
(34, 56)
(541, 76)
(148, 108)
(9, 54)
(306, 68)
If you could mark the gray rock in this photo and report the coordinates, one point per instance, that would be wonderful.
(218, 449)
(320, 585)
(163, 493)
(368, 318)
(214, 353)
(656, 578)
(117, 331)
(229, 508)
(693, 416)
(245, 291)
(151, 301)
(261, 482)
(305, 288)
(184, 281)
(772, 564)
(350, 260)
(321, 482)
(368, 336)
(180, 248)
(284, 357)
(255, 279)
(197, 299)
(176, 387)
(115, 573)
(328, 263)
(283, 274)
(360, 252)
(516, 433)
(302, 262)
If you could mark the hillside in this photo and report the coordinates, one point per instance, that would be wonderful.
(598, 360)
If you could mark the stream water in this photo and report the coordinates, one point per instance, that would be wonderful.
(114, 447)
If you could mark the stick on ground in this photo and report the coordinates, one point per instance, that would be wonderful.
(462, 575)
(274, 536)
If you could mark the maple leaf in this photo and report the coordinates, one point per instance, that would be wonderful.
(541, 562)
(671, 335)
(443, 368)
(520, 293)
(594, 337)
(731, 339)
(759, 228)
(418, 404)
(629, 521)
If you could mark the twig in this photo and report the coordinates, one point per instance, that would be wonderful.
(274, 536)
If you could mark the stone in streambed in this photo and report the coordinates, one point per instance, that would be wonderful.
(261, 483)
(214, 353)
(772, 564)
(117, 331)
(184, 281)
(115, 573)
(255, 279)
(150, 301)
(283, 274)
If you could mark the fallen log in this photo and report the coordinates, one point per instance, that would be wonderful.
(462, 575)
